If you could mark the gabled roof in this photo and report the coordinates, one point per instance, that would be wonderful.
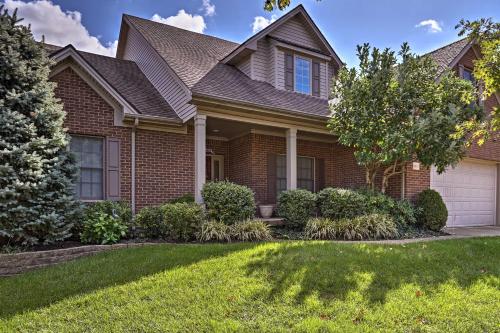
(191, 55)
(125, 78)
(445, 56)
(299, 10)
(225, 82)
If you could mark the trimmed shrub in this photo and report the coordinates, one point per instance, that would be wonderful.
(151, 220)
(228, 202)
(214, 231)
(102, 228)
(372, 226)
(251, 230)
(296, 207)
(336, 203)
(186, 198)
(401, 211)
(182, 220)
(320, 228)
(432, 210)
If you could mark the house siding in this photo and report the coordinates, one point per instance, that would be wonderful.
(261, 61)
(137, 49)
(296, 31)
(246, 66)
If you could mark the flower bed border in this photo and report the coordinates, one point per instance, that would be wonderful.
(16, 263)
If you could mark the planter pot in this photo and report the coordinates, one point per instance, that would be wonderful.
(266, 211)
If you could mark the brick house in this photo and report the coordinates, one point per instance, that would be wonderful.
(175, 109)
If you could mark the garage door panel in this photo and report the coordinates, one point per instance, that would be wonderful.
(469, 192)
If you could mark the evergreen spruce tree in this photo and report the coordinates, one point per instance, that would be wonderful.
(36, 169)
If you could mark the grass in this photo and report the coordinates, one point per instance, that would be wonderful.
(440, 286)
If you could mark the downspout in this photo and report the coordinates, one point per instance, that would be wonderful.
(403, 183)
(136, 123)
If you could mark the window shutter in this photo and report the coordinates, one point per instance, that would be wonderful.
(315, 78)
(288, 71)
(113, 169)
(320, 174)
(271, 178)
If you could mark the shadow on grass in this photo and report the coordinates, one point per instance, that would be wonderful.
(40, 288)
(332, 271)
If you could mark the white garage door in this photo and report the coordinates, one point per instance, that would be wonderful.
(469, 192)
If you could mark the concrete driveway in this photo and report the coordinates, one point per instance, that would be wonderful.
(483, 231)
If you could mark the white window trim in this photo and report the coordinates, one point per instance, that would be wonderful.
(309, 60)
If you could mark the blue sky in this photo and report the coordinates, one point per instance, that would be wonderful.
(94, 24)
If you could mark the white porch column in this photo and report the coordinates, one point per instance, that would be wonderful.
(200, 145)
(291, 159)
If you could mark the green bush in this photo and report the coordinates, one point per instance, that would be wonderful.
(296, 207)
(372, 226)
(432, 210)
(251, 230)
(214, 231)
(186, 198)
(228, 202)
(404, 213)
(401, 211)
(151, 220)
(336, 203)
(118, 209)
(320, 228)
(182, 220)
(102, 228)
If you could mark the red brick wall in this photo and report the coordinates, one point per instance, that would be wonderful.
(87, 113)
(341, 169)
(164, 161)
(164, 166)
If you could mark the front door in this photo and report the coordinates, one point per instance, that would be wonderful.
(217, 167)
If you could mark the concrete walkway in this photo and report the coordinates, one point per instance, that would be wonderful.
(474, 231)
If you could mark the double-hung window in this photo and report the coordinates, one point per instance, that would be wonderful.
(89, 153)
(302, 75)
(305, 173)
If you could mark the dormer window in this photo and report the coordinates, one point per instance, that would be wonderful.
(302, 75)
(467, 75)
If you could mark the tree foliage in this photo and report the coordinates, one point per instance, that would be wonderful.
(392, 113)
(36, 169)
(486, 34)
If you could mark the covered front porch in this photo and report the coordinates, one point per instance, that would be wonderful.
(269, 156)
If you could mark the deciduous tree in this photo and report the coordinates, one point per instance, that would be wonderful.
(392, 113)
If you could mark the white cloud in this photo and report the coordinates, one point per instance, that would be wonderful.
(57, 26)
(260, 22)
(208, 8)
(433, 25)
(183, 20)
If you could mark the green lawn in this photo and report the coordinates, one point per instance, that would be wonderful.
(441, 286)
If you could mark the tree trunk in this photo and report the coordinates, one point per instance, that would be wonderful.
(395, 169)
(370, 174)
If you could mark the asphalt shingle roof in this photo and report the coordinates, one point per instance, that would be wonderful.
(191, 55)
(229, 83)
(445, 55)
(126, 77)
(129, 81)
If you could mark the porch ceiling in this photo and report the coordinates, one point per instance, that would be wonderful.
(229, 129)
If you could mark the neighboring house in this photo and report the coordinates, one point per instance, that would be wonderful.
(176, 109)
